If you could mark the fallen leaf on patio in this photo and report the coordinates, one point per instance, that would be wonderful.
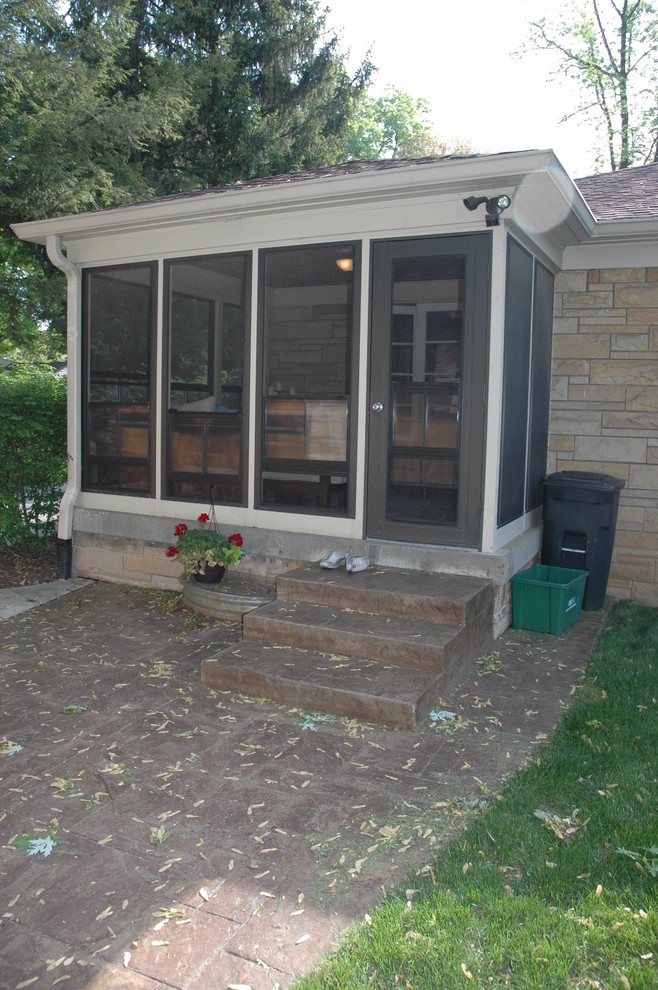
(126, 958)
(44, 846)
(159, 835)
(54, 964)
(389, 831)
(303, 938)
(159, 942)
(203, 893)
(104, 914)
(116, 769)
(104, 842)
(8, 748)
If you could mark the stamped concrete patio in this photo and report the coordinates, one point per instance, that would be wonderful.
(205, 840)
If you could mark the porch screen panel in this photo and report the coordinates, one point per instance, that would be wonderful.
(426, 376)
(540, 385)
(205, 321)
(118, 333)
(516, 367)
(307, 328)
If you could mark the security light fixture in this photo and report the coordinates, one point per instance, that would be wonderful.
(495, 206)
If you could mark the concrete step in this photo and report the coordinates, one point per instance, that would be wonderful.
(452, 598)
(386, 638)
(381, 645)
(399, 697)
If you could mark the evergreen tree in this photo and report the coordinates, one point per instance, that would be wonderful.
(111, 102)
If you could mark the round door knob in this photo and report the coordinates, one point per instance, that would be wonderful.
(377, 406)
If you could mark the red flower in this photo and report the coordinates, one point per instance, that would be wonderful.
(181, 528)
(204, 518)
(173, 552)
(237, 539)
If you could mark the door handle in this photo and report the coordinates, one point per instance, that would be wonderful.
(377, 406)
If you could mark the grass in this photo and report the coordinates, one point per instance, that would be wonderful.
(556, 886)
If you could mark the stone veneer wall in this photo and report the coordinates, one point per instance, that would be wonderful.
(604, 406)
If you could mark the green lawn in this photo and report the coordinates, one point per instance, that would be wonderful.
(556, 886)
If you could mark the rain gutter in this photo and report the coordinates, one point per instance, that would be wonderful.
(73, 405)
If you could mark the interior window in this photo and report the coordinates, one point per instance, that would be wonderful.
(117, 333)
(307, 328)
(205, 319)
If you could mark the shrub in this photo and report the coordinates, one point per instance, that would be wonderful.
(32, 453)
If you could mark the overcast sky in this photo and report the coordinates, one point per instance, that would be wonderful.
(458, 55)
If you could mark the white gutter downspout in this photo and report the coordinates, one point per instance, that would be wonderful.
(73, 402)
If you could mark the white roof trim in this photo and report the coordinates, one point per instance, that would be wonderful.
(467, 176)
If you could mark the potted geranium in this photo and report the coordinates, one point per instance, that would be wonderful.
(205, 552)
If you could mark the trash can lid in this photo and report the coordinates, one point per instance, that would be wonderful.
(584, 479)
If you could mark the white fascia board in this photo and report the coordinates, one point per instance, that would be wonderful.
(470, 176)
(616, 244)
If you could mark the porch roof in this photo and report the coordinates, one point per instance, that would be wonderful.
(551, 198)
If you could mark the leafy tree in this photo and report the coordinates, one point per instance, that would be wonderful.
(610, 48)
(109, 102)
(69, 141)
(394, 125)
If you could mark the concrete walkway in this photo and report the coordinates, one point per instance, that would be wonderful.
(13, 601)
(207, 841)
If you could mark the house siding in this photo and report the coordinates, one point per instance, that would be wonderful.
(604, 406)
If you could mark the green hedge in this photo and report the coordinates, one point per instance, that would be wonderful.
(32, 453)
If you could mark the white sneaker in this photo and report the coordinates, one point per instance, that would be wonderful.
(354, 564)
(332, 560)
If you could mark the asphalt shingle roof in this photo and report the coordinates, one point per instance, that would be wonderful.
(628, 194)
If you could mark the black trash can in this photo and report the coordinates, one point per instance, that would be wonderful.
(580, 515)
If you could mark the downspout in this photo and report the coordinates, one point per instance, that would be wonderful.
(73, 404)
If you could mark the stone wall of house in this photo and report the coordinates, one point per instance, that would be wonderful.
(308, 350)
(604, 406)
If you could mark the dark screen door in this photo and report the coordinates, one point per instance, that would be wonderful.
(428, 347)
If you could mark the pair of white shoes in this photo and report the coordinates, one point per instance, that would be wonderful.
(353, 564)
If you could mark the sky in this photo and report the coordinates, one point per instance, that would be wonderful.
(459, 56)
